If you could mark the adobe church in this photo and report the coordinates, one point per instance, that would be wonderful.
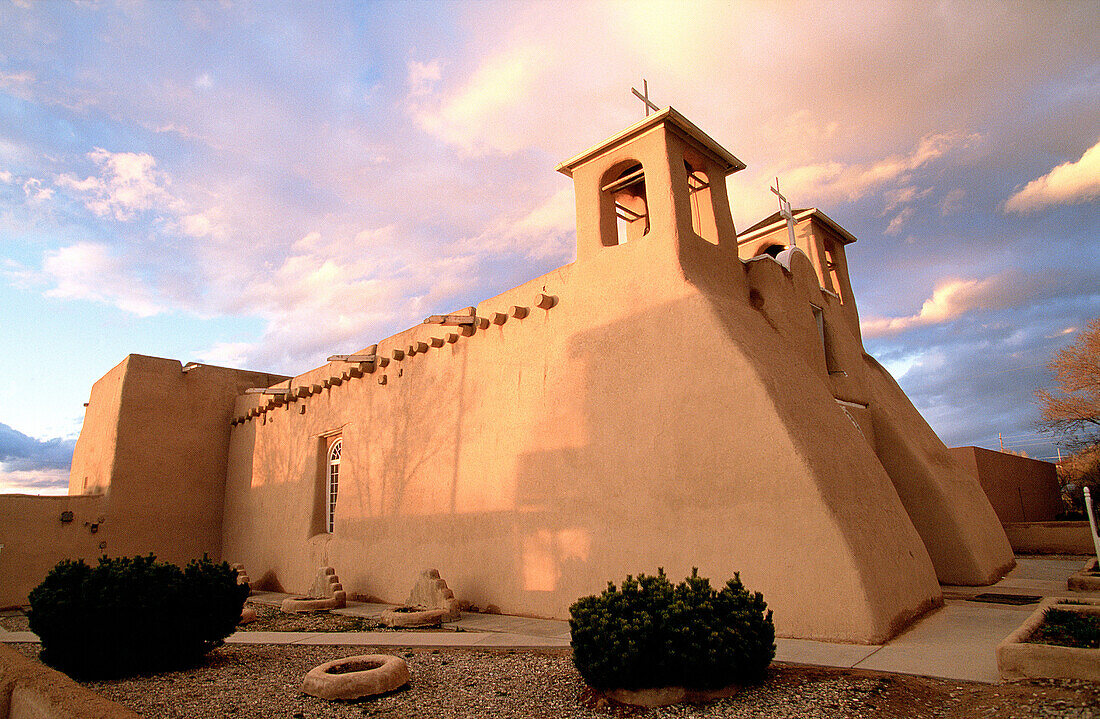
(678, 396)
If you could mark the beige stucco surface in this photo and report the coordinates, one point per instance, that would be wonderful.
(34, 539)
(30, 690)
(1050, 537)
(154, 442)
(677, 404)
(1020, 489)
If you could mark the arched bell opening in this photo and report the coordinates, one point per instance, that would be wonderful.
(625, 184)
(703, 222)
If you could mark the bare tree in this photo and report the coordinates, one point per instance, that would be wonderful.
(1072, 411)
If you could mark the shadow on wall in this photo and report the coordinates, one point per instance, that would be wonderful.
(658, 445)
(686, 464)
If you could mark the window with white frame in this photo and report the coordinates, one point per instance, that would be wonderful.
(333, 483)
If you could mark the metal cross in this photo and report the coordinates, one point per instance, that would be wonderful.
(785, 212)
(644, 97)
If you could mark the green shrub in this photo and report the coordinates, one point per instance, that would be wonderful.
(1068, 629)
(130, 615)
(651, 633)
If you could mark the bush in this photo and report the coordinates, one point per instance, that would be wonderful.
(652, 634)
(128, 615)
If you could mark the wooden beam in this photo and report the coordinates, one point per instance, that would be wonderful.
(452, 320)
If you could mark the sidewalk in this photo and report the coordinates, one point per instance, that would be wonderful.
(956, 641)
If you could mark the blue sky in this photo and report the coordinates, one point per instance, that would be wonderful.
(261, 185)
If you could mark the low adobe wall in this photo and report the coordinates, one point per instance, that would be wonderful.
(1019, 488)
(35, 536)
(29, 690)
(1050, 537)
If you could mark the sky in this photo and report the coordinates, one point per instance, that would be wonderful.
(261, 185)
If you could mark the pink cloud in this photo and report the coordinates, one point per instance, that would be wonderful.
(1066, 184)
(952, 299)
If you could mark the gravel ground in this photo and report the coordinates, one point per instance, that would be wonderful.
(273, 619)
(262, 681)
(268, 619)
(14, 620)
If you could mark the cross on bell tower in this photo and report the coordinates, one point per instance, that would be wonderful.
(644, 97)
(785, 212)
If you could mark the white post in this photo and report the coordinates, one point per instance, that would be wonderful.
(1092, 523)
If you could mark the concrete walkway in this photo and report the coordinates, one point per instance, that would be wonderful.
(956, 641)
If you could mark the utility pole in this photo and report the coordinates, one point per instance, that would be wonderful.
(1001, 439)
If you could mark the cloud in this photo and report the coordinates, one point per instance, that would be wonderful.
(35, 192)
(18, 452)
(480, 116)
(88, 271)
(950, 299)
(228, 354)
(128, 183)
(197, 225)
(12, 79)
(952, 201)
(17, 84)
(40, 481)
(337, 291)
(422, 77)
(831, 182)
(953, 299)
(547, 232)
(899, 220)
(1066, 184)
(171, 127)
(260, 194)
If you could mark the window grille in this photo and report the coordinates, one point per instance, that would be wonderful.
(333, 483)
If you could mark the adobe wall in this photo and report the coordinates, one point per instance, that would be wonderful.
(35, 538)
(31, 690)
(1019, 488)
(1050, 537)
(94, 453)
(155, 440)
(640, 423)
(947, 507)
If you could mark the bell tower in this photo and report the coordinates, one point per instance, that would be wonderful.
(661, 180)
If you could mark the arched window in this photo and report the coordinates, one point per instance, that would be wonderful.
(333, 483)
